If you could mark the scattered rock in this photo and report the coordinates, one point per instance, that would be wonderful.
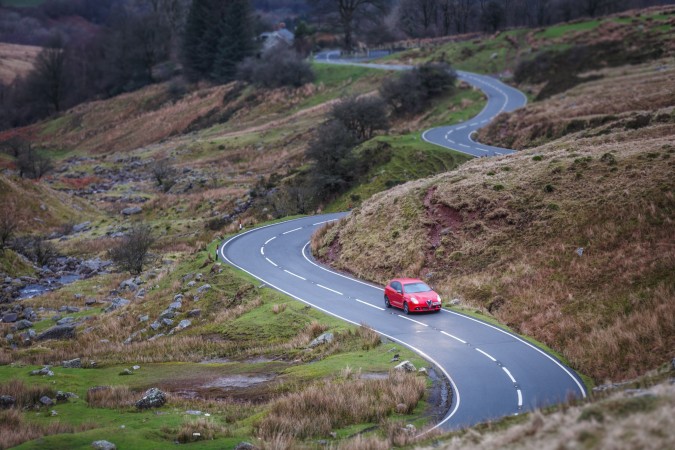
(128, 284)
(245, 446)
(193, 412)
(65, 321)
(46, 401)
(45, 371)
(580, 251)
(167, 314)
(126, 372)
(10, 317)
(410, 428)
(204, 288)
(176, 305)
(140, 293)
(131, 210)
(325, 338)
(191, 283)
(6, 401)
(53, 413)
(117, 303)
(69, 309)
(455, 302)
(84, 226)
(155, 325)
(406, 366)
(90, 301)
(183, 324)
(153, 398)
(103, 445)
(143, 318)
(178, 297)
(167, 322)
(194, 313)
(58, 332)
(23, 324)
(136, 367)
(422, 370)
(72, 364)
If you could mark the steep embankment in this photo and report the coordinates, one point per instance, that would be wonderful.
(570, 242)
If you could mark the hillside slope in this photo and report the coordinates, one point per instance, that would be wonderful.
(569, 242)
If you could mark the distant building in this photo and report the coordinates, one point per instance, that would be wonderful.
(280, 36)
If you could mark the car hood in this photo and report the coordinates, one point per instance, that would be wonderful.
(424, 296)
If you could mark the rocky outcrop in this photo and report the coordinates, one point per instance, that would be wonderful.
(58, 332)
(323, 339)
(153, 398)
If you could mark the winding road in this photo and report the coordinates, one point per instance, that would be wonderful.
(493, 373)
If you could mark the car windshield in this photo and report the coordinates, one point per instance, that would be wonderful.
(413, 288)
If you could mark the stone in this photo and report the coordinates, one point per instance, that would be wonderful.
(69, 309)
(10, 317)
(191, 283)
(117, 303)
(131, 210)
(203, 288)
(580, 251)
(128, 284)
(46, 401)
(10, 337)
(155, 325)
(406, 366)
(140, 293)
(192, 412)
(194, 313)
(53, 413)
(72, 364)
(58, 332)
(103, 445)
(176, 305)
(90, 301)
(423, 370)
(455, 302)
(245, 446)
(6, 401)
(84, 226)
(136, 367)
(325, 338)
(65, 321)
(153, 398)
(167, 322)
(182, 325)
(167, 314)
(126, 372)
(23, 324)
(178, 297)
(44, 371)
(143, 318)
(199, 277)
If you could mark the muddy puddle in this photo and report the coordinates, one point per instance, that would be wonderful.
(238, 381)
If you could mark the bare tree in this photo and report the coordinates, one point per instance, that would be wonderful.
(132, 252)
(164, 174)
(31, 163)
(48, 78)
(362, 115)
(9, 222)
(347, 12)
(419, 16)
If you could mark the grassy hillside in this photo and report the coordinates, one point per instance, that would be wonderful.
(502, 234)
(16, 61)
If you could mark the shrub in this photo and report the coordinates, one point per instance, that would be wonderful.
(277, 67)
(361, 115)
(412, 91)
(132, 252)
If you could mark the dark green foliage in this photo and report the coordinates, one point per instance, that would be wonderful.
(334, 161)
(412, 91)
(362, 116)
(218, 36)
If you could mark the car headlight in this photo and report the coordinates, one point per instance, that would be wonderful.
(438, 297)
(413, 299)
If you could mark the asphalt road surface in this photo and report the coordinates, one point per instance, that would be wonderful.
(493, 373)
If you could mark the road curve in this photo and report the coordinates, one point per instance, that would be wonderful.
(500, 98)
(493, 373)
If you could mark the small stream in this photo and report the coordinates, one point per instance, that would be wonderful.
(48, 284)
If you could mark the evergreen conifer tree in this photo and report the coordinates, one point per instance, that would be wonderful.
(236, 40)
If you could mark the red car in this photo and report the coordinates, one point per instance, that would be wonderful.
(411, 295)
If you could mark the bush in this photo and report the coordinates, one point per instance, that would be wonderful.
(276, 68)
(412, 91)
(361, 115)
(132, 252)
(36, 248)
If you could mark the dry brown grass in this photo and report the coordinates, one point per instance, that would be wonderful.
(14, 429)
(16, 61)
(114, 397)
(510, 250)
(200, 429)
(325, 406)
(25, 396)
(622, 422)
(370, 337)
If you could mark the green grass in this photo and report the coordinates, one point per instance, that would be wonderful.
(13, 265)
(558, 31)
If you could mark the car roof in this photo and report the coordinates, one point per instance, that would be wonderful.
(407, 280)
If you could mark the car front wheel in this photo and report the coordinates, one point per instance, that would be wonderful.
(386, 302)
(405, 308)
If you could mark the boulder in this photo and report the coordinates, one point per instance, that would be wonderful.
(153, 398)
(131, 210)
(176, 305)
(58, 332)
(84, 226)
(64, 396)
(46, 401)
(194, 313)
(325, 338)
(128, 284)
(69, 309)
(10, 317)
(155, 325)
(203, 288)
(126, 372)
(143, 318)
(65, 321)
(103, 445)
(183, 324)
(23, 324)
(72, 364)
(116, 303)
(140, 293)
(178, 297)
(90, 301)
(406, 366)
(6, 401)
(44, 371)
(167, 322)
(245, 446)
(167, 314)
